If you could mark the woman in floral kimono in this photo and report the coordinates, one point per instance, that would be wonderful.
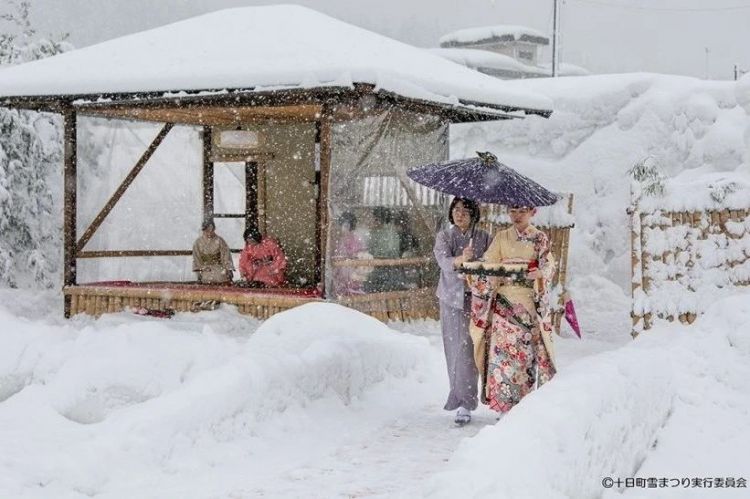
(511, 325)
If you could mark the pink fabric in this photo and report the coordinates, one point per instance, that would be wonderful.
(570, 316)
(349, 245)
(263, 262)
(345, 281)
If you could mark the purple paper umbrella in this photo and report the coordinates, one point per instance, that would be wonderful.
(483, 179)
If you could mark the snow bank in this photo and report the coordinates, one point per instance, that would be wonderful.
(604, 415)
(597, 418)
(88, 410)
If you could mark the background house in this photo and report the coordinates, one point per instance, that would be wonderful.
(503, 51)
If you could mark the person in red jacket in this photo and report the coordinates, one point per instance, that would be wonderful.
(262, 261)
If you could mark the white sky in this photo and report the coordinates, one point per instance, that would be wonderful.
(607, 36)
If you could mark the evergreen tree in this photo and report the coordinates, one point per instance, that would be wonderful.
(30, 167)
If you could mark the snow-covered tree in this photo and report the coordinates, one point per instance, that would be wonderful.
(30, 167)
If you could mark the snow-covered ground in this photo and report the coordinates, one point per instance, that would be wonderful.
(320, 401)
(324, 402)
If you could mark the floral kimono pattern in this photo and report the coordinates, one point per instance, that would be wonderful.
(511, 325)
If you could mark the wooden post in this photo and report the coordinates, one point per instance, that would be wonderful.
(208, 176)
(635, 264)
(251, 194)
(70, 186)
(324, 127)
(645, 280)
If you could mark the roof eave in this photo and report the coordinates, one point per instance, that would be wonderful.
(464, 111)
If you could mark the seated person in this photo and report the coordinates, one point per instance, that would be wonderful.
(347, 280)
(262, 261)
(211, 259)
(384, 244)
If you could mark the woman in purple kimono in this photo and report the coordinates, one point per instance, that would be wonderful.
(453, 246)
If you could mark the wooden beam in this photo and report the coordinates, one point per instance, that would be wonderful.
(241, 157)
(383, 262)
(215, 115)
(208, 175)
(137, 253)
(91, 230)
(89, 233)
(132, 253)
(70, 186)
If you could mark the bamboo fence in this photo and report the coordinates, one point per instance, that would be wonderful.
(698, 226)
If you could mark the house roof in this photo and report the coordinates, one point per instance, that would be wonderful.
(494, 63)
(260, 49)
(493, 34)
(485, 60)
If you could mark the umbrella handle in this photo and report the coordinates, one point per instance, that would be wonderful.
(471, 238)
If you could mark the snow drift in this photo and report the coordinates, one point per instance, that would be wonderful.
(151, 400)
(662, 403)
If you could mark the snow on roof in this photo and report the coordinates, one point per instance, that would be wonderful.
(500, 33)
(484, 59)
(566, 69)
(284, 46)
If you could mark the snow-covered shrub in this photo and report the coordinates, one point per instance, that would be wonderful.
(30, 172)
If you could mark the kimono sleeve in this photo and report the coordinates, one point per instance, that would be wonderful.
(246, 267)
(226, 257)
(197, 264)
(279, 258)
(545, 257)
(493, 253)
(442, 251)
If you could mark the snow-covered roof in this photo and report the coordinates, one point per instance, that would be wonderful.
(484, 59)
(260, 48)
(566, 69)
(499, 33)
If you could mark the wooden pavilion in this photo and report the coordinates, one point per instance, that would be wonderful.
(348, 131)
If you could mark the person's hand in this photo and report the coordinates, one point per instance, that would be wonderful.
(466, 255)
(534, 274)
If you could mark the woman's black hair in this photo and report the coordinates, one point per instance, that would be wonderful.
(252, 233)
(469, 204)
(349, 219)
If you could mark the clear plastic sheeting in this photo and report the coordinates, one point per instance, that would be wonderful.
(160, 210)
(382, 224)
